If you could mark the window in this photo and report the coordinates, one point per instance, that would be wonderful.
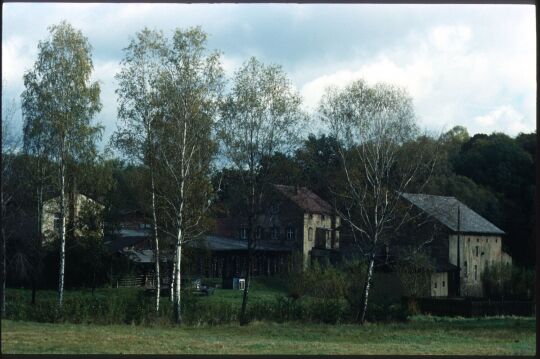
(475, 271)
(243, 233)
(435, 284)
(477, 240)
(57, 222)
(322, 217)
(486, 240)
(495, 240)
(443, 283)
(275, 232)
(468, 240)
(310, 216)
(465, 268)
(290, 233)
(477, 251)
(258, 232)
(310, 234)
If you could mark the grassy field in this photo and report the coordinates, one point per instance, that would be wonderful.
(421, 335)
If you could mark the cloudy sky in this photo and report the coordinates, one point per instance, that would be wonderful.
(471, 65)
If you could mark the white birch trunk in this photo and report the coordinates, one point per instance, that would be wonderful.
(171, 279)
(62, 232)
(156, 239)
(365, 295)
(177, 279)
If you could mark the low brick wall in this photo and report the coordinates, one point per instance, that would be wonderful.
(468, 307)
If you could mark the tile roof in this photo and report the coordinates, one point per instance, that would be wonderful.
(445, 210)
(305, 199)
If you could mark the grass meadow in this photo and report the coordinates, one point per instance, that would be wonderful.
(421, 335)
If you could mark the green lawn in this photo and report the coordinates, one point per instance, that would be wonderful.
(422, 335)
(261, 289)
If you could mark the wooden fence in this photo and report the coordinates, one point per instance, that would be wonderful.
(468, 307)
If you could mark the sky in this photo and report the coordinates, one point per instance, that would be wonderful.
(469, 65)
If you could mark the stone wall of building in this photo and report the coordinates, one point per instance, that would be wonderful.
(51, 211)
(312, 221)
(439, 284)
(477, 252)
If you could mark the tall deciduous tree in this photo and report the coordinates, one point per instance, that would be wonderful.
(137, 112)
(188, 92)
(10, 145)
(371, 125)
(259, 117)
(60, 93)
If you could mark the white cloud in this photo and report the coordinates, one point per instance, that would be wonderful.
(451, 77)
(450, 38)
(504, 119)
(16, 59)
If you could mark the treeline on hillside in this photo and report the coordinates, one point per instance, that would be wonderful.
(187, 148)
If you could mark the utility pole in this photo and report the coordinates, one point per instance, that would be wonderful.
(458, 280)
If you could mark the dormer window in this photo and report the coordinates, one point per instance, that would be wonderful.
(290, 233)
(243, 233)
(258, 232)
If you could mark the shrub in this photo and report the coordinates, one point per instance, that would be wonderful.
(505, 280)
(317, 281)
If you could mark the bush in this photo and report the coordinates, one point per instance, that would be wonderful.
(317, 281)
(505, 280)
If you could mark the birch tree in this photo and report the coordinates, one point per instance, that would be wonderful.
(188, 92)
(259, 117)
(371, 124)
(10, 146)
(137, 114)
(58, 89)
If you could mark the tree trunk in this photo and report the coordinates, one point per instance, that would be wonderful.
(156, 241)
(177, 279)
(365, 294)
(171, 278)
(3, 209)
(62, 232)
(3, 269)
(37, 267)
(243, 317)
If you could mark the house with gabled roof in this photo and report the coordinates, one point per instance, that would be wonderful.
(468, 245)
(295, 223)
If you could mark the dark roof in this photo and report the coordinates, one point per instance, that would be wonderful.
(443, 265)
(119, 243)
(445, 209)
(140, 256)
(218, 243)
(305, 199)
